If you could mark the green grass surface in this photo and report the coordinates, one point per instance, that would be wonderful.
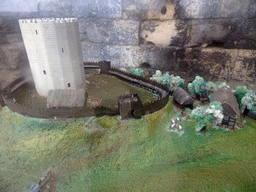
(107, 154)
(98, 87)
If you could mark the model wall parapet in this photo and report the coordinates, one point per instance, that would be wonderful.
(146, 108)
(49, 20)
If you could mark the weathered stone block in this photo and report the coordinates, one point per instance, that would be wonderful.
(13, 55)
(126, 56)
(234, 66)
(233, 63)
(98, 52)
(9, 30)
(56, 8)
(200, 32)
(157, 57)
(148, 9)
(83, 8)
(99, 8)
(66, 98)
(242, 34)
(14, 38)
(251, 10)
(107, 31)
(234, 8)
(18, 6)
(163, 33)
(231, 33)
(199, 9)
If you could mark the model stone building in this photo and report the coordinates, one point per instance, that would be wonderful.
(54, 52)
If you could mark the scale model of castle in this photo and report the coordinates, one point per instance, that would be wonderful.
(54, 51)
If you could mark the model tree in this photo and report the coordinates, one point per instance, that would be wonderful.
(202, 88)
(198, 87)
(205, 115)
(240, 93)
(136, 71)
(246, 99)
(249, 101)
(175, 82)
(168, 80)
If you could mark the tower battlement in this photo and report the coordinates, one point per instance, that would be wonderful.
(49, 20)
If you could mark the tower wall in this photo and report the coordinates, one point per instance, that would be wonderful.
(54, 52)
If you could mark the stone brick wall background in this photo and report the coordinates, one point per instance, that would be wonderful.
(212, 38)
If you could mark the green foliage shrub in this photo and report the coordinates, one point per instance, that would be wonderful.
(246, 98)
(191, 89)
(240, 93)
(212, 87)
(175, 82)
(249, 101)
(136, 71)
(200, 87)
(206, 115)
(170, 81)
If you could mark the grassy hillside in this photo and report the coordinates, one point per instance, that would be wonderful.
(107, 154)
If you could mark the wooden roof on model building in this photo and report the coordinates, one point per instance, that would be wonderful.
(228, 101)
(182, 96)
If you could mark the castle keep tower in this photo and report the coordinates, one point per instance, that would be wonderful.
(54, 52)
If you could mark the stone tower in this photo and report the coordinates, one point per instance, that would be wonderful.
(54, 51)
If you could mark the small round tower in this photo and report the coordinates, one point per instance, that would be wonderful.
(54, 51)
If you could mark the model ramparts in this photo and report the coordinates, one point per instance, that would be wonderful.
(38, 112)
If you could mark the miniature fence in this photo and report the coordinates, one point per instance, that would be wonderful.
(147, 108)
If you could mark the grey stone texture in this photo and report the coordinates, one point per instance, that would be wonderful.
(148, 9)
(81, 8)
(157, 57)
(126, 56)
(106, 31)
(66, 98)
(234, 66)
(9, 30)
(204, 32)
(13, 56)
(99, 52)
(231, 33)
(204, 9)
(242, 34)
(18, 6)
(12, 50)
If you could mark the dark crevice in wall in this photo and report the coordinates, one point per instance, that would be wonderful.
(163, 10)
(216, 43)
(140, 40)
(145, 65)
(150, 43)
